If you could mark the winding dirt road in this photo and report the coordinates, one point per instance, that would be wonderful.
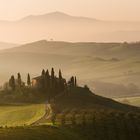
(46, 116)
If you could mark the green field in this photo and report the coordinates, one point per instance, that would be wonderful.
(104, 126)
(20, 115)
(39, 133)
(130, 100)
(98, 131)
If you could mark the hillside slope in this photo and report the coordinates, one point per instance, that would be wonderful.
(4, 45)
(82, 98)
(110, 69)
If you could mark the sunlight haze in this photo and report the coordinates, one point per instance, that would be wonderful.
(69, 69)
(100, 9)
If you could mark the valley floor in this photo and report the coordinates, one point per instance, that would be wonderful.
(66, 133)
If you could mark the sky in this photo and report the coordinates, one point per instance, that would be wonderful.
(100, 9)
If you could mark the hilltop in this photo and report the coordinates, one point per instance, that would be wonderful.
(56, 16)
(62, 26)
(54, 89)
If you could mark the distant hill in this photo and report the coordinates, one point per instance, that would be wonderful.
(4, 45)
(55, 16)
(110, 69)
(61, 26)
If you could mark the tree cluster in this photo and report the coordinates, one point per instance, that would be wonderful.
(108, 125)
(48, 82)
(55, 85)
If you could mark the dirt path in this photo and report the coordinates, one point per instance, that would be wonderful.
(45, 117)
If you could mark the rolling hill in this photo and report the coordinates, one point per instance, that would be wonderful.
(4, 45)
(130, 100)
(103, 119)
(110, 69)
(77, 99)
(83, 99)
(61, 26)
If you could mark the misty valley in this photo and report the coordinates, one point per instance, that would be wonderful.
(69, 77)
(53, 98)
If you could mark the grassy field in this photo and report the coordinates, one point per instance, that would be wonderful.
(96, 132)
(20, 115)
(102, 126)
(39, 133)
(130, 100)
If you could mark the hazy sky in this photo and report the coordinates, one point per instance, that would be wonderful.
(100, 9)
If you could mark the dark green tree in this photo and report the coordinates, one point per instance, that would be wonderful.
(47, 73)
(52, 83)
(47, 80)
(12, 83)
(19, 81)
(28, 80)
(61, 85)
(75, 81)
(71, 82)
(48, 84)
(43, 72)
(60, 75)
(52, 73)
(43, 79)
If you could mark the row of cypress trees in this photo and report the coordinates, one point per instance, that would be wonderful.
(48, 82)
(18, 83)
(55, 85)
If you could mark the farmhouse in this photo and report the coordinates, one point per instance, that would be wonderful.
(37, 81)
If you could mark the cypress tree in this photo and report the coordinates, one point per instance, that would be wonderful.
(61, 83)
(19, 81)
(52, 73)
(72, 81)
(60, 75)
(28, 80)
(75, 81)
(47, 73)
(43, 79)
(12, 82)
(43, 72)
(55, 86)
(52, 86)
(47, 79)
(52, 78)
